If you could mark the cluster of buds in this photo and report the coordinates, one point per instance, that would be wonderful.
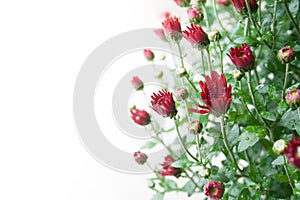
(194, 14)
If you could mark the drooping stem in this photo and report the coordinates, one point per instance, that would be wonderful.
(221, 56)
(273, 24)
(249, 82)
(182, 142)
(287, 173)
(219, 21)
(254, 24)
(287, 66)
(209, 60)
(286, 7)
(226, 143)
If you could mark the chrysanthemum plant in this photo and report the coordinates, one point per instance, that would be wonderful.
(243, 113)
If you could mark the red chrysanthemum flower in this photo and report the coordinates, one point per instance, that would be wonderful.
(242, 57)
(163, 103)
(292, 152)
(148, 54)
(216, 94)
(168, 170)
(140, 157)
(241, 5)
(196, 36)
(172, 28)
(140, 117)
(214, 190)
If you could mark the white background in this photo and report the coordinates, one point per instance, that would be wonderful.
(42, 47)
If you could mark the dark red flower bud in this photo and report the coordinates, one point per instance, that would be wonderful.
(140, 117)
(241, 6)
(137, 83)
(140, 157)
(196, 36)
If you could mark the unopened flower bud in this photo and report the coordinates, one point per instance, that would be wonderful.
(148, 54)
(237, 74)
(286, 54)
(140, 117)
(181, 71)
(194, 15)
(204, 172)
(214, 36)
(182, 3)
(195, 127)
(140, 157)
(137, 83)
(292, 98)
(223, 2)
(279, 146)
(181, 94)
(159, 74)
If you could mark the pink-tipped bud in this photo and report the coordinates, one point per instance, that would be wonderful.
(181, 94)
(292, 98)
(223, 2)
(194, 15)
(286, 54)
(140, 157)
(137, 83)
(148, 54)
(195, 127)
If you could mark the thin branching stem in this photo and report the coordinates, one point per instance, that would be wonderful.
(287, 66)
(287, 173)
(286, 7)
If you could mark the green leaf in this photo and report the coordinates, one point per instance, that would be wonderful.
(220, 177)
(278, 161)
(149, 145)
(260, 130)
(189, 188)
(233, 134)
(247, 140)
(244, 194)
(158, 196)
(269, 116)
(172, 185)
(282, 107)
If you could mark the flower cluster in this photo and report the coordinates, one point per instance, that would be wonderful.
(228, 111)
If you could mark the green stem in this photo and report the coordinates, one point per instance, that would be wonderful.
(246, 28)
(219, 21)
(287, 173)
(221, 57)
(249, 82)
(205, 16)
(202, 59)
(209, 60)
(191, 179)
(191, 84)
(286, 7)
(287, 66)
(198, 148)
(248, 158)
(273, 24)
(254, 24)
(226, 143)
(182, 143)
(298, 113)
(180, 53)
(259, 12)
(244, 104)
